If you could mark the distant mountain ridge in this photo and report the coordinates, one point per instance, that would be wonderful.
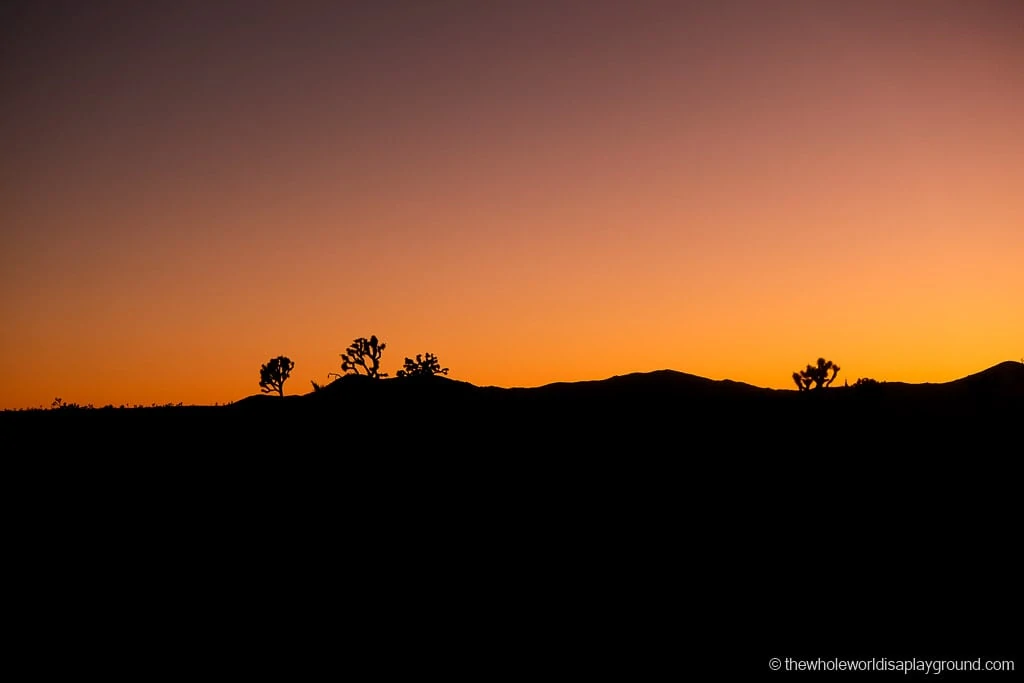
(664, 413)
(1004, 379)
(1008, 374)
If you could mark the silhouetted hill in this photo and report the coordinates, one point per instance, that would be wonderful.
(1003, 380)
(989, 395)
(642, 408)
(355, 387)
(660, 383)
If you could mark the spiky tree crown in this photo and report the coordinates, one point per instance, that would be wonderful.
(274, 373)
(816, 375)
(364, 353)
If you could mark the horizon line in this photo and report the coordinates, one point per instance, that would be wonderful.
(154, 404)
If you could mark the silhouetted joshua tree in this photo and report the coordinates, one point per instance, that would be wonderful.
(274, 373)
(422, 366)
(818, 375)
(362, 353)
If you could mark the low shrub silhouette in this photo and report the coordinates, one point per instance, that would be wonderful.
(866, 386)
(816, 375)
(60, 404)
(274, 373)
(422, 366)
(362, 353)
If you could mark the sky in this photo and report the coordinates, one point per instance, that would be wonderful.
(535, 191)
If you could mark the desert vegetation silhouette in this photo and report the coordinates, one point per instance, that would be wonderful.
(816, 375)
(274, 373)
(362, 357)
(424, 365)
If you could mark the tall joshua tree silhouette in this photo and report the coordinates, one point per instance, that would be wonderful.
(817, 375)
(274, 373)
(365, 354)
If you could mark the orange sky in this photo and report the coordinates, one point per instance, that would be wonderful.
(534, 191)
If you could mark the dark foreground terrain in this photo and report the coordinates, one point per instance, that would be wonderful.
(622, 526)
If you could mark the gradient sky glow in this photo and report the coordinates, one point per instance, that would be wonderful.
(536, 191)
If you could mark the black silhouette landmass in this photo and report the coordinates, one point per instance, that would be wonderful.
(772, 523)
(637, 415)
